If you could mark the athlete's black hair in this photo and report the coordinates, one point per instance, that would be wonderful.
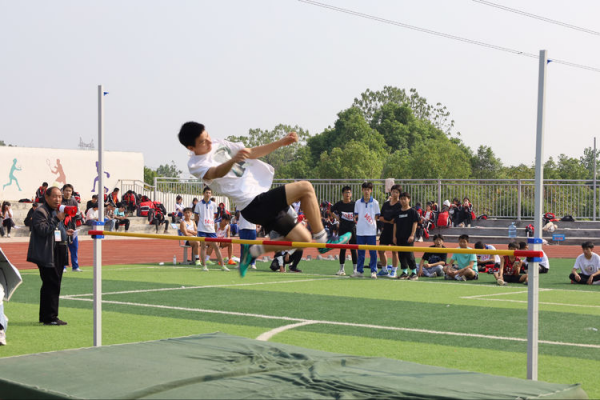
(189, 132)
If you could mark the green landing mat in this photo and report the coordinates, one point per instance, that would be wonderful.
(220, 366)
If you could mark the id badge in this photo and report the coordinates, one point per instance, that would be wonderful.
(57, 236)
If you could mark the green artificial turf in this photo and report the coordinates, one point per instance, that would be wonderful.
(427, 321)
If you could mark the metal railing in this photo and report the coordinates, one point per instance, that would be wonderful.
(496, 198)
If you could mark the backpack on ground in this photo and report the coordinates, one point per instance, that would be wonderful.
(568, 218)
(529, 230)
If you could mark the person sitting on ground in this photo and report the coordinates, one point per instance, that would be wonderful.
(39, 194)
(187, 227)
(7, 218)
(588, 265)
(462, 266)
(224, 232)
(510, 269)
(92, 215)
(178, 213)
(91, 203)
(29, 217)
(487, 262)
(121, 218)
(282, 258)
(432, 264)
(544, 265)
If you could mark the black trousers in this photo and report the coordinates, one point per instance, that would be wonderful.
(584, 278)
(51, 280)
(121, 222)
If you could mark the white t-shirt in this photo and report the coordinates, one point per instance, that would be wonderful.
(244, 224)
(545, 262)
(243, 182)
(179, 208)
(488, 257)
(367, 217)
(206, 216)
(588, 267)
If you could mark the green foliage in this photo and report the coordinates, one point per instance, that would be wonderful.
(169, 171)
(354, 161)
(371, 102)
(520, 171)
(485, 164)
(285, 157)
(149, 175)
(588, 161)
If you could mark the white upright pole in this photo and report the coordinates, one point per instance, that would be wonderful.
(98, 241)
(533, 270)
(595, 200)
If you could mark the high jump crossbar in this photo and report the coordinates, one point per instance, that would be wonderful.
(517, 253)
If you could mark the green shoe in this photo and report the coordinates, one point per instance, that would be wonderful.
(246, 260)
(343, 239)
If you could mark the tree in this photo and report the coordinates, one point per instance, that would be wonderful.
(354, 161)
(370, 102)
(283, 156)
(520, 171)
(588, 161)
(169, 171)
(485, 164)
(551, 169)
(149, 175)
(571, 168)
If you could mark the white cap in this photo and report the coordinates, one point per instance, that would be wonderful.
(447, 203)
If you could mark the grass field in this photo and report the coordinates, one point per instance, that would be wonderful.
(475, 326)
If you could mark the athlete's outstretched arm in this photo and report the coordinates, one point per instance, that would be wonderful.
(261, 151)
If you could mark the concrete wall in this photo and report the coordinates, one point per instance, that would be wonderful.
(23, 169)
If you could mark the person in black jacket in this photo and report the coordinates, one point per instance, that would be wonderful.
(29, 217)
(48, 250)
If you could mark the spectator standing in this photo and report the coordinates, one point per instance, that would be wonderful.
(206, 211)
(432, 264)
(465, 268)
(70, 223)
(7, 218)
(366, 212)
(343, 211)
(510, 269)
(29, 217)
(588, 265)
(405, 226)
(48, 250)
(389, 211)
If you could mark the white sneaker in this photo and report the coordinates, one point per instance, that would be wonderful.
(8, 235)
(341, 272)
(253, 266)
(205, 268)
(2, 337)
(373, 275)
(224, 268)
(357, 275)
(236, 259)
(197, 262)
(392, 274)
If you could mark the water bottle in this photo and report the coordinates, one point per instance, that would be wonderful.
(512, 231)
(174, 260)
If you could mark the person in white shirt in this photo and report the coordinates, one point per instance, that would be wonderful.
(485, 262)
(366, 212)
(177, 215)
(235, 171)
(91, 215)
(205, 211)
(588, 265)
(187, 227)
(544, 265)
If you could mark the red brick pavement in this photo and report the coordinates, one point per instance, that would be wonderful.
(138, 251)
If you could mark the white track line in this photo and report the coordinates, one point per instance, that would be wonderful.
(350, 324)
(268, 335)
(542, 302)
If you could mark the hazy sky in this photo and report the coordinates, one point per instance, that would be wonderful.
(237, 65)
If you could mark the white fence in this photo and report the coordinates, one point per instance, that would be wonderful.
(503, 198)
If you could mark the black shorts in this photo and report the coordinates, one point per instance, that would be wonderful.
(387, 236)
(270, 209)
(511, 278)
